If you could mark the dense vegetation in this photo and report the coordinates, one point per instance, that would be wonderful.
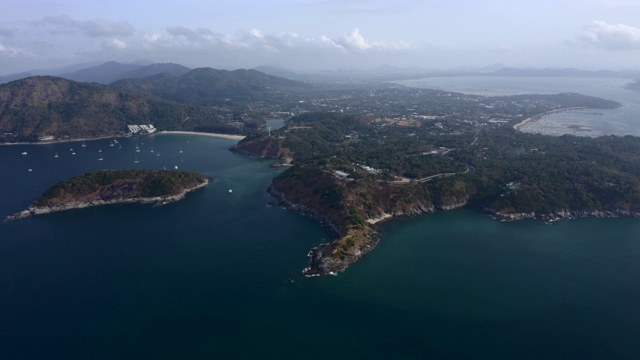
(120, 184)
(498, 170)
(206, 86)
(40, 106)
(503, 170)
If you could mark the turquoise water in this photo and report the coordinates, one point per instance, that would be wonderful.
(208, 277)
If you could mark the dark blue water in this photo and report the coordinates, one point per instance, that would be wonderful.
(208, 277)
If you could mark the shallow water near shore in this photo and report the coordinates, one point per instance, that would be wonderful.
(211, 276)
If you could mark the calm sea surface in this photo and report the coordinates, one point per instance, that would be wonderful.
(622, 121)
(208, 277)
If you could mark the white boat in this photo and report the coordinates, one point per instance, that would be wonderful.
(112, 144)
(24, 153)
(100, 158)
(176, 167)
(230, 191)
(73, 153)
(136, 160)
(30, 170)
(99, 150)
(83, 144)
(56, 155)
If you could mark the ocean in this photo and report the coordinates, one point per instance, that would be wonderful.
(218, 275)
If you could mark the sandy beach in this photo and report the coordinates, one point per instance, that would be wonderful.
(223, 136)
(384, 216)
(539, 116)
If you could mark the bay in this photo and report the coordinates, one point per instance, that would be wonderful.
(621, 121)
(210, 276)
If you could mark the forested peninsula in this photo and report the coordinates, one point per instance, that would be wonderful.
(105, 187)
(349, 172)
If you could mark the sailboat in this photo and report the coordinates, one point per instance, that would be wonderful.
(56, 155)
(137, 148)
(136, 160)
(112, 144)
(83, 144)
(100, 158)
(100, 150)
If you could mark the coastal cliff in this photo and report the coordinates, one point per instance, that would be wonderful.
(106, 187)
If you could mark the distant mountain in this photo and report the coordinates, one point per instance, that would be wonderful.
(155, 69)
(281, 72)
(634, 85)
(103, 73)
(45, 105)
(207, 86)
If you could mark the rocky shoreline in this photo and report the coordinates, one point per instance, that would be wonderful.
(550, 218)
(322, 259)
(322, 263)
(156, 201)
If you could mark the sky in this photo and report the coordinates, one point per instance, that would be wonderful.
(315, 35)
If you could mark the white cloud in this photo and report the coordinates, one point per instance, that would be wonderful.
(257, 33)
(612, 36)
(114, 44)
(10, 51)
(353, 41)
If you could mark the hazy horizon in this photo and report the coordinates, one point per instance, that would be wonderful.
(319, 35)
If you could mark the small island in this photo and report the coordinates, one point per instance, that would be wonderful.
(104, 187)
